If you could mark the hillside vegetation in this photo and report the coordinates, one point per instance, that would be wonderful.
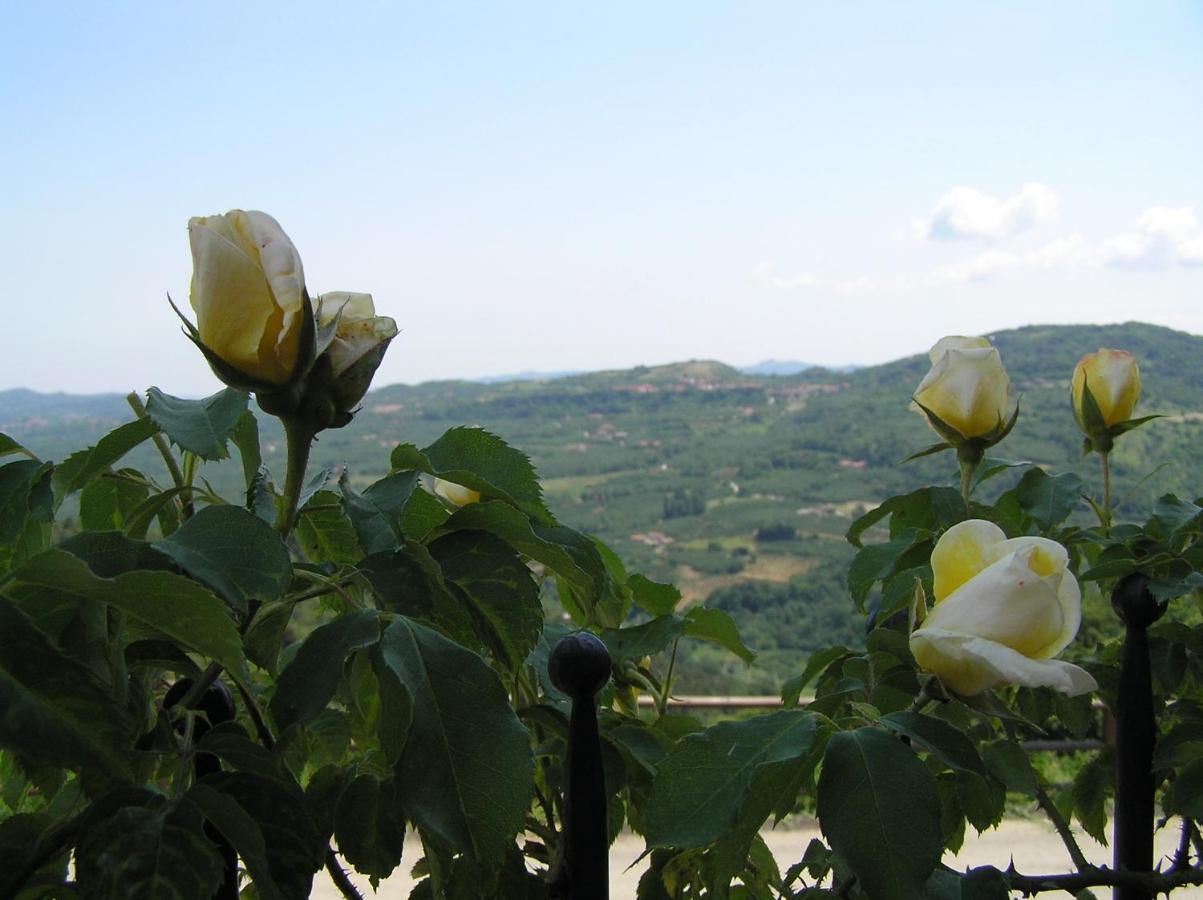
(737, 487)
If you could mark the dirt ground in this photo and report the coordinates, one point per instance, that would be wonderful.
(1034, 846)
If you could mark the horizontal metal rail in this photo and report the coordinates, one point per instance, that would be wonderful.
(745, 701)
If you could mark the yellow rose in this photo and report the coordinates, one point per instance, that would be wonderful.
(455, 494)
(967, 389)
(248, 290)
(1003, 608)
(1114, 382)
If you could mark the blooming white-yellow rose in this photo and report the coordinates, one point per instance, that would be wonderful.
(1114, 381)
(455, 494)
(967, 388)
(248, 289)
(1003, 608)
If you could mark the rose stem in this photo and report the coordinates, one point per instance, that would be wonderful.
(173, 467)
(967, 470)
(298, 439)
(1105, 457)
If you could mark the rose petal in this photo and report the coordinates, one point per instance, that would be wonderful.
(351, 306)
(968, 389)
(1048, 558)
(963, 551)
(955, 342)
(970, 665)
(1006, 602)
(233, 302)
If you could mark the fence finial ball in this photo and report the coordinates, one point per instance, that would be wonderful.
(579, 664)
(1134, 603)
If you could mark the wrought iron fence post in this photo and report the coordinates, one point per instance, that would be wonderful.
(579, 666)
(218, 706)
(1135, 734)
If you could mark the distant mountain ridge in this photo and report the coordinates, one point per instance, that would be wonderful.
(793, 367)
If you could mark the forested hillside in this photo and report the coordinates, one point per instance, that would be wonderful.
(737, 487)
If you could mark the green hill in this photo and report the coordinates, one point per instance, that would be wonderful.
(737, 487)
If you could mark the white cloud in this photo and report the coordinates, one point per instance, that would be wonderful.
(964, 212)
(1164, 236)
(763, 272)
(1072, 252)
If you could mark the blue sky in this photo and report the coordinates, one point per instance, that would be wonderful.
(551, 186)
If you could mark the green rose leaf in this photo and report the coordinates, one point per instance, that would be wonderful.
(1092, 786)
(1185, 794)
(325, 532)
(200, 426)
(655, 598)
(1049, 499)
(643, 640)
(410, 581)
(110, 553)
(503, 597)
(704, 783)
(171, 604)
(929, 508)
(1008, 762)
(376, 514)
(467, 766)
(106, 504)
(984, 883)
(878, 808)
(875, 562)
(309, 681)
(950, 745)
(53, 708)
(292, 843)
(26, 511)
(483, 462)
(229, 742)
(81, 467)
(236, 826)
(8, 446)
(245, 435)
(368, 827)
(717, 627)
(142, 853)
(566, 552)
(232, 551)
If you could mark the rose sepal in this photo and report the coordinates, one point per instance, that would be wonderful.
(325, 334)
(929, 451)
(954, 440)
(281, 398)
(1100, 437)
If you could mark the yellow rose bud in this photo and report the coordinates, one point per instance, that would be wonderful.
(967, 388)
(248, 290)
(359, 330)
(455, 494)
(1003, 608)
(1114, 382)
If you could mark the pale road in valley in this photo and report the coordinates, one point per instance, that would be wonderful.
(1034, 846)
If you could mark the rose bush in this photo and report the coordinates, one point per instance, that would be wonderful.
(967, 394)
(1003, 608)
(248, 291)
